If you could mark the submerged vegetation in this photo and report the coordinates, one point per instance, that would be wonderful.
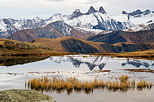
(73, 84)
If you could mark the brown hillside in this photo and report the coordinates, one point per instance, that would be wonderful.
(70, 44)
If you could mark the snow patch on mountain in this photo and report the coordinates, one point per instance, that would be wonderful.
(95, 31)
(93, 20)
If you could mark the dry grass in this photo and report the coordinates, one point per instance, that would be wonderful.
(136, 54)
(143, 84)
(101, 71)
(73, 84)
(140, 70)
(32, 52)
(19, 48)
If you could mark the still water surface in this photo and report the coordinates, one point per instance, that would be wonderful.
(14, 72)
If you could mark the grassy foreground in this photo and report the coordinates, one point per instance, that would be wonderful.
(19, 48)
(24, 96)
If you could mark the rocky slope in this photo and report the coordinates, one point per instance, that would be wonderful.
(125, 47)
(65, 45)
(74, 45)
(9, 26)
(121, 36)
(53, 30)
(70, 44)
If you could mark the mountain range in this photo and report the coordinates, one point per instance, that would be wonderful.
(94, 21)
(94, 31)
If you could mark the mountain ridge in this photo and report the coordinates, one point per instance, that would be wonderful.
(70, 44)
(92, 19)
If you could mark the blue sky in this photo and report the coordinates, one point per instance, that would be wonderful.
(46, 8)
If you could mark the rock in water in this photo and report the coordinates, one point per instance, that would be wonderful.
(24, 96)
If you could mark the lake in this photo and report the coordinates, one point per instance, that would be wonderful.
(16, 71)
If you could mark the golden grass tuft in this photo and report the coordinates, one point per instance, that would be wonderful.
(70, 84)
(143, 84)
(123, 78)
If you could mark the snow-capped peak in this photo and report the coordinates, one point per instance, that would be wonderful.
(93, 19)
(76, 13)
(37, 19)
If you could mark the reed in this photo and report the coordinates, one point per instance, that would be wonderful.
(143, 84)
(123, 78)
(70, 84)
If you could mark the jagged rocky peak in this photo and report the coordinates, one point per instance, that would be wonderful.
(77, 13)
(146, 12)
(37, 18)
(124, 12)
(91, 10)
(137, 12)
(101, 10)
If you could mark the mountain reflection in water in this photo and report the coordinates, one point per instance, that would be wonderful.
(99, 61)
(137, 63)
(92, 62)
(19, 60)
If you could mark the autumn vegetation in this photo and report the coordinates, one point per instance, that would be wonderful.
(73, 84)
(19, 48)
(137, 54)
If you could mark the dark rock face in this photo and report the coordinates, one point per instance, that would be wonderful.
(146, 12)
(111, 48)
(25, 24)
(120, 36)
(124, 12)
(91, 10)
(53, 30)
(111, 25)
(9, 23)
(76, 13)
(73, 45)
(137, 13)
(101, 10)
(126, 47)
(149, 27)
(139, 37)
(111, 38)
(62, 27)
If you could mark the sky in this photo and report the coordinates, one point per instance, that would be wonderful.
(20, 9)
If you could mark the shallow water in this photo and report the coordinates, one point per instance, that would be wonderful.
(84, 67)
